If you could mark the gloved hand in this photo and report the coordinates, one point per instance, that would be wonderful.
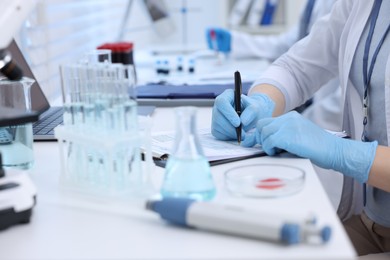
(225, 119)
(219, 37)
(297, 135)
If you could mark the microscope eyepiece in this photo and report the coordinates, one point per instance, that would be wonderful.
(8, 67)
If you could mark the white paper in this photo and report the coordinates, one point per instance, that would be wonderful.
(162, 143)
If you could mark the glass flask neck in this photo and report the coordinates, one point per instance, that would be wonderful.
(187, 143)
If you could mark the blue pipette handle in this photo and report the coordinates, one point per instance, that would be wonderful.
(235, 220)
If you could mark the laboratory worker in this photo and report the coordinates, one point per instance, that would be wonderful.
(325, 109)
(353, 43)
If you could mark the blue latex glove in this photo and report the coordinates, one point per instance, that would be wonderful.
(222, 37)
(297, 135)
(225, 119)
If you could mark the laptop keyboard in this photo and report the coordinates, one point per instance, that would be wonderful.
(43, 129)
(48, 121)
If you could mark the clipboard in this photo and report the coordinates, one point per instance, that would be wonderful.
(184, 92)
(216, 151)
(161, 162)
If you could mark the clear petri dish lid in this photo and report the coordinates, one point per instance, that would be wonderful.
(264, 180)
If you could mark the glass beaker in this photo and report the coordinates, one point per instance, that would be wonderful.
(187, 173)
(16, 140)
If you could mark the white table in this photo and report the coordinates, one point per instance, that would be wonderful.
(62, 229)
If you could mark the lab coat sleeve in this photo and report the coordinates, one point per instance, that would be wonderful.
(273, 46)
(311, 62)
(269, 47)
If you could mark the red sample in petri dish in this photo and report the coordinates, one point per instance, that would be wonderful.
(264, 180)
(270, 183)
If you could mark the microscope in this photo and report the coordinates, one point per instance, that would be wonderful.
(17, 197)
(17, 192)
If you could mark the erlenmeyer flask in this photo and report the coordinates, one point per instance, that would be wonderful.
(187, 173)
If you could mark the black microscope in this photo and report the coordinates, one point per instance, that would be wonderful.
(17, 192)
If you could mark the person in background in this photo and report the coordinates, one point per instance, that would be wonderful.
(353, 43)
(324, 108)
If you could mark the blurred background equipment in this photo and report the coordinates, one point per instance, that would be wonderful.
(13, 14)
(17, 193)
(160, 16)
(17, 197)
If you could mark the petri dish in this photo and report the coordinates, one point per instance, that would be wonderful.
(264, 180)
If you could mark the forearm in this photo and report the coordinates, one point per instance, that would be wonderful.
(274, 93)
(380, 171)
(262, 46)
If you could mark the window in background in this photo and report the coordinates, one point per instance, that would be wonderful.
(61, 31)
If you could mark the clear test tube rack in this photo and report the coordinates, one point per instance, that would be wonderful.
(117, 169)
(100, 141)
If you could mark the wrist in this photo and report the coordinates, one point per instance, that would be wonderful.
(268, 105)
(272, 92)
(356, 158)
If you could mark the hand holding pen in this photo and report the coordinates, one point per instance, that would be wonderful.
(231, 121)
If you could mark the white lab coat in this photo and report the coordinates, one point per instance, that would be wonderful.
(326, 52)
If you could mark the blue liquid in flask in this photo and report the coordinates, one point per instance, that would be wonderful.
(187, 173)
(189, 178)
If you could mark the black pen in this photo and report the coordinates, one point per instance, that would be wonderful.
(237, 101)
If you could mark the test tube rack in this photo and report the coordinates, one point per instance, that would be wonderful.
(103, 164)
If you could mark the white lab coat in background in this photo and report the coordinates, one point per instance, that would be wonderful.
(333, 42)
(326, 109)
(271, 47)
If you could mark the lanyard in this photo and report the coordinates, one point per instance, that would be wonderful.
(367, 72)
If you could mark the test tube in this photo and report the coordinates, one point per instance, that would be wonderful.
(126, 98)
(71, 93)
(89, 156)
(73, 116)
(130, 116)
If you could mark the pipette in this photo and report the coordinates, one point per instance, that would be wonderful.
(239, 221)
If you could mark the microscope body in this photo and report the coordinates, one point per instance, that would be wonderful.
(17, 198)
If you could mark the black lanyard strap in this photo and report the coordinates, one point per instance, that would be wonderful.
(367, 73)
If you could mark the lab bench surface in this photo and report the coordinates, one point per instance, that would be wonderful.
(65, 228)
